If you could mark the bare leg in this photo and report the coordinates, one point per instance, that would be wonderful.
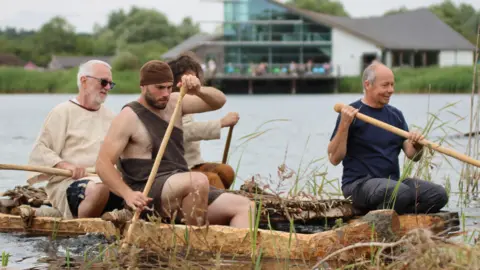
(96, 197)
(231, 209)
(188, 191)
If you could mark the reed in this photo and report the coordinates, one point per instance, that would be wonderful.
(467, 169)
(5, 258)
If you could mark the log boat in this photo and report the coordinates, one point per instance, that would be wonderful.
(379, 225)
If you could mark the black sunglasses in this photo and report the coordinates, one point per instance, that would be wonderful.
(103, 82)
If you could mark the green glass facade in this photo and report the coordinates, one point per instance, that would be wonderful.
(257, 31)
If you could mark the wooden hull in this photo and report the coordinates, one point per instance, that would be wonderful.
(243, 242)
(380, 225)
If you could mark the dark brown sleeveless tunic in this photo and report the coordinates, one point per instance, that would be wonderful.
(135, 171)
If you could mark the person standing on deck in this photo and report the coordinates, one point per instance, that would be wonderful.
(370, 154)
(70, 139)
(219, 175)
(133, 142)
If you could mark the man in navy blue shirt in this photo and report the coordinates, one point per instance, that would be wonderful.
(370, 154)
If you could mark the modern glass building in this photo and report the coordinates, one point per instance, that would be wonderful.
(263, 37)
(267, 46)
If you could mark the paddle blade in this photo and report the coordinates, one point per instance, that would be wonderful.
(338, 107)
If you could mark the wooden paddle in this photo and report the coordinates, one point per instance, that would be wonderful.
(449, 152)
(227, 145)
(160, 153)
(43, 169)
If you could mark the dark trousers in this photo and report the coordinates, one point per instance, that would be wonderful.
(407, 196)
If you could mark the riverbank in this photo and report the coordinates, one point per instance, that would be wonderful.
(423, 80)
(420, 80)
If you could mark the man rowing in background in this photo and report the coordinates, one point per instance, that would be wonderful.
(370, 154)
(70, 139)
(134, 140)
(219, 175)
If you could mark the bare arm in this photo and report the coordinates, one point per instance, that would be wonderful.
(197, 131)
(412, 149)
(337, 148)
(205, 100)
(113, 145)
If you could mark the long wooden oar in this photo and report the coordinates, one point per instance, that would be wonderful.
(449, 152)
(43, 169)
(160, 153)
(227, 145)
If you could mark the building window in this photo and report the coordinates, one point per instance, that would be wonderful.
(414, 58)
(262, 37)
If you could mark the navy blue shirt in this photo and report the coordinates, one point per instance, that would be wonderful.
(372, 150)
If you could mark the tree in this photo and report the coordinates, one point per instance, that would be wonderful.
(125, 61)
(57, 35)
(463, 18)
(395, 11)
(186, 29)
(331, 7)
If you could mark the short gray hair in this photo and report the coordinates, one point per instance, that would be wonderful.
(85, 69)
(369, 73)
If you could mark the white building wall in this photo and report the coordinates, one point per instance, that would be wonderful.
(347, 52)
(456, 58)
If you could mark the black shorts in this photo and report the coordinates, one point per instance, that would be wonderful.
(76, 194)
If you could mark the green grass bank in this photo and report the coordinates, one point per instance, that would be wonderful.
(423, 80)
(439, 80)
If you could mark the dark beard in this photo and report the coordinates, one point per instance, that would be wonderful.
(151, 101)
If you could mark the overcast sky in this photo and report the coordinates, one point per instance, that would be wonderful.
(31, 14)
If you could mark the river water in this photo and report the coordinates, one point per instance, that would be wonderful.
(298, 132)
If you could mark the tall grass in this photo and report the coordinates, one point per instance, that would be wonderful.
(18, 80)
(469, 172)
(408, 80)
(309, 178)
(422, 80)
(5, 258)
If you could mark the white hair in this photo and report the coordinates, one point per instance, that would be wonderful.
(369, 73)
(86, 69)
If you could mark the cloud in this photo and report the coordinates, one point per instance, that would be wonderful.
(84, 14)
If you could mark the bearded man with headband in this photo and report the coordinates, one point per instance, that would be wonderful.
(133, 142)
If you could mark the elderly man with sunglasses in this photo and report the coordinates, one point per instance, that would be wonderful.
(70, 139)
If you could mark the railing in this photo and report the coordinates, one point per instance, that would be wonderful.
(231, 35)
(276, 69)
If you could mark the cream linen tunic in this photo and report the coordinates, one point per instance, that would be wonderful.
(73, 134)
(193, 133)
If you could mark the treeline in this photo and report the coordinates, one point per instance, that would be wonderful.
(407, 80)
(141, 34)
(136, 36)
(463, 17)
